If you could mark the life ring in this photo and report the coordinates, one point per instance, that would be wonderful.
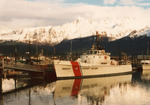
(105, 57)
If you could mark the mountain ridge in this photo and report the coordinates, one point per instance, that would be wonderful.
(113, 28)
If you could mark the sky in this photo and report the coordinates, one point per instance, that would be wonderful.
(34, 13)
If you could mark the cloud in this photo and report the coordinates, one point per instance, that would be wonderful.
(48, 1)
(134, 2)
(143, 4)
(21, 13)
(109, 1)
(127, 2)
(27, 12)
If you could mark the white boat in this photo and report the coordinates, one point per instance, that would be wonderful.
(145, 64)
(93, 63)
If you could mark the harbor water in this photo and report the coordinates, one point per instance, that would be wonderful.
(131, 89)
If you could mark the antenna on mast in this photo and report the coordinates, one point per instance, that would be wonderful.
(98, 42)
(80, 45)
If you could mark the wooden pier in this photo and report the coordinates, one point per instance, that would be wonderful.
(27, 68)
(34, 71)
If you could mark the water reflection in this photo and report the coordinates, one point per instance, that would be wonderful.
(1, 96)
(115, 90)
(146, 75)
(93, 90)
(30, 95)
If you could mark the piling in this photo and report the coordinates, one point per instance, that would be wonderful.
(1, 71)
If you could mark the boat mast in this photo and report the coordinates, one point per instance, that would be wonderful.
(147, 48)
(80, 45)
(16, 55)
(54, 52)
(29, 50)
(98, 42)
(71, 50)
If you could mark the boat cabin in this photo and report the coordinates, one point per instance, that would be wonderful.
(145, 61)
(96, 57)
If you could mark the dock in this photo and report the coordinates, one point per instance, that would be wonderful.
(27, 68)
(44, 72)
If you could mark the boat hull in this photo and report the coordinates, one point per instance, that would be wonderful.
(146, 66)
(70, 69)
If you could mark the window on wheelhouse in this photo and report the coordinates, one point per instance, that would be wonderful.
(95, 52)
(91, 52)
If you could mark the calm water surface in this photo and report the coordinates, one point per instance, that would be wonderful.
(133, 89)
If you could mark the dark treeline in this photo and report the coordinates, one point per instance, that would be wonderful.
(8, 48)
(127, 45)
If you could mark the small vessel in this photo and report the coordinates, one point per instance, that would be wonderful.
(95, 62)
(145, 64)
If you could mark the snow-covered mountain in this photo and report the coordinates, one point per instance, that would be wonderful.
(115, 28)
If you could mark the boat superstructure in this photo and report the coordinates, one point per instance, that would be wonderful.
(97, 57)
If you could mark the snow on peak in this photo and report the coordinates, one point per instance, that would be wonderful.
(141, 32)
(113, 27)
(4, 30)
